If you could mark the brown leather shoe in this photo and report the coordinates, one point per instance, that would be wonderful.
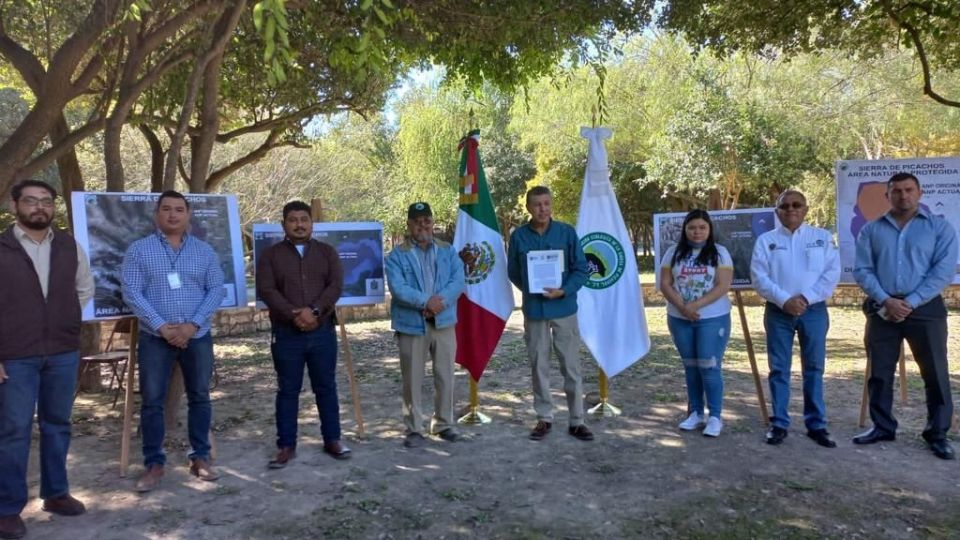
(540, 430)
(337, 450)
(64, 506)
(284, 455)
(202, 469)
(12, 527)
(150, 478)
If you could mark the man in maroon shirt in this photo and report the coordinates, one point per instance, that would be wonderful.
(300, 280)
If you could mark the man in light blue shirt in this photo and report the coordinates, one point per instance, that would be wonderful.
(904, 260)
(173, 283)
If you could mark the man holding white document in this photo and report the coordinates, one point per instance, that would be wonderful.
(546, 263)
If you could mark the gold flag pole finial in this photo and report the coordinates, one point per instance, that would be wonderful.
(604, 408)
(593, 119)
(474, 416)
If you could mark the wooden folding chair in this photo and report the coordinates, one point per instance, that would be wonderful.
(116, 355)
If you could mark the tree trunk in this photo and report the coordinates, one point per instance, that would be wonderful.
(175, 392)
(222, 31)
(156, 158)
(202, 144)
(58, 86)
(90, 344)
(68, 166)
(28, 135)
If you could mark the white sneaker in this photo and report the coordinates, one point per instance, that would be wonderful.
(714, 425)
(694, 421)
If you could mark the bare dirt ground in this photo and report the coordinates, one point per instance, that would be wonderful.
(640, 478)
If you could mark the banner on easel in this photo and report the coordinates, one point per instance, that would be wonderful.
(862, 197)
(105, 224)
(360, 245)
(736, 230)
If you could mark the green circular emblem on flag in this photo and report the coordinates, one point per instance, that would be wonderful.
(605, 259)
(478, 260)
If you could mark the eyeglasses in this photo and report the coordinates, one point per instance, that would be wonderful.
(46, 202)
(795, 205)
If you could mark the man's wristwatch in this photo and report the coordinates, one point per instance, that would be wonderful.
(315, 311)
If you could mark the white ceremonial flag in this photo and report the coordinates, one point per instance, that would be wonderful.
(612, 322)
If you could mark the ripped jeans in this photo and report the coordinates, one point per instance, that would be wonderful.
(701, 345)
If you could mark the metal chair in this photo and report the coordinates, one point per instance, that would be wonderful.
(116, 355)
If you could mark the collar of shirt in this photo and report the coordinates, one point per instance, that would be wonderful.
(787, 232)
(301, 248)
(921, 212)
(165, 242)
(21, 234)
(432, 244)
(545, 231)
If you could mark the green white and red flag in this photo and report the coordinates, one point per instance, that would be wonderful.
(485, 306)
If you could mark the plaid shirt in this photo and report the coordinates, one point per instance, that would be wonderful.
(287, 281)
(147, 265)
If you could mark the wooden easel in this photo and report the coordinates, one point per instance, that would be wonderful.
(751, 355)
(348, 356)
(316, 210)
(128, 399)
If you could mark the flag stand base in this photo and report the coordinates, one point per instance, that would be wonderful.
(474, 417)
(604, 409)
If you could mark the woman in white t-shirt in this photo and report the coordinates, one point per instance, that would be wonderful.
(695, 276)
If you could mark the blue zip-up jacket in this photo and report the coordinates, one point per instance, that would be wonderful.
(405, 281)
(558, 235)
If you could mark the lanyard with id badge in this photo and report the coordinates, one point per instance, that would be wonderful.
(173, 276)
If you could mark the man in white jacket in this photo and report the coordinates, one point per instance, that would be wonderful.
(795, 268)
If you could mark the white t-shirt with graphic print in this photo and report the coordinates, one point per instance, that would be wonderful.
(693, 281)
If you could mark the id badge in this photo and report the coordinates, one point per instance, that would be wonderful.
(173, 278)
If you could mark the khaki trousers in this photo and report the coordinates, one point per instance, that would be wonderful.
(564, 336)
(441, 345)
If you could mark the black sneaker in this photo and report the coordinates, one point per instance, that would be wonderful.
(581, 432)
(450, 435)
(540, 430)
(414, 440)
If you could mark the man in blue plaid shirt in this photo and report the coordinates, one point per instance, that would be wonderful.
(173, 283)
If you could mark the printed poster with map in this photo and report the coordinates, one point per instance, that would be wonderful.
(105, 224)
(862, 190)
(360, 245)
(736, 230)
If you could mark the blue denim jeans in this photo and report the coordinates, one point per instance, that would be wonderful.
(45, 384)
(292, 349)
(155, 360)
(701, 345)
(811, 330)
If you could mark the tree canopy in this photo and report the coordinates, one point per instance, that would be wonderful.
(860, 28)
(209, 71)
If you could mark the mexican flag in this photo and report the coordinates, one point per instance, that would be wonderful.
(485, 306)
(612, 322)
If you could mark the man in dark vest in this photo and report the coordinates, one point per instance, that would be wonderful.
(44, 280)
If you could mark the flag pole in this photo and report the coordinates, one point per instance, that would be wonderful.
(604, 408)
(474, 416)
